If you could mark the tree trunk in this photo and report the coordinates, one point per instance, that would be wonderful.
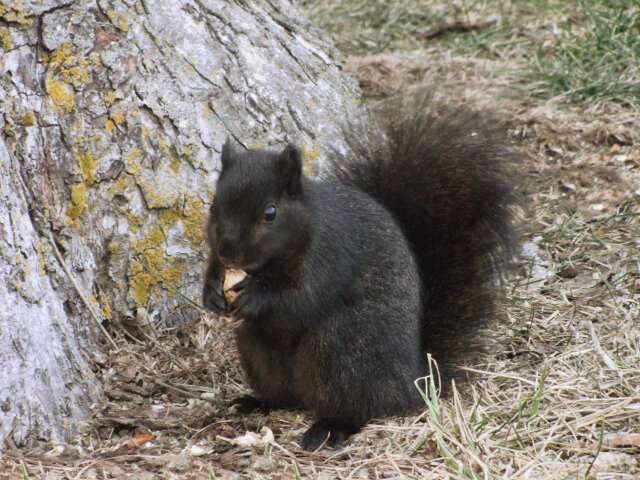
(113, 116)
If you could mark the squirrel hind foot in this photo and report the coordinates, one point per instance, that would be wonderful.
(327, 431)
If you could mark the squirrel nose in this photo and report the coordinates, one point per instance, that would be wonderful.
(227, 250)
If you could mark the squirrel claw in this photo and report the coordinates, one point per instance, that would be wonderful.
(214, 301)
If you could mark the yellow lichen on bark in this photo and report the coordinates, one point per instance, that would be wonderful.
(133, 161)
(171, 275)
(78, 75)
(61, 54)
(140, 283)
(105, 305)
(171, 151)
(109, 98)
(5, 39)
(118, 20)
(175, 159)
(118, 118)
(152, 267)
(194, 219)
(61, 95)
(175, 164)
(78, 204)
(134, 221)
(151, 248)
(12, 14)
(28, 119)
(169, 216)
(119, 185)
(191, 212)
(71, 70)
(149, 253)
(88, 164)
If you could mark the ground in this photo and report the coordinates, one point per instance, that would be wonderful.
(558, 397)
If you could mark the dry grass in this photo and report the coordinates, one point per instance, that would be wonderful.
(557, 398)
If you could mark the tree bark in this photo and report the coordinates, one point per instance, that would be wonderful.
(113, 117)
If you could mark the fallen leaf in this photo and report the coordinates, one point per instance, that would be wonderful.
(568, 272)
(139, 439)
(252, 439)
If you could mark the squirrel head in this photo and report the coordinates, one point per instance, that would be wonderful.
(259, 219)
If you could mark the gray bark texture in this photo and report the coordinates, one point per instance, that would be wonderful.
(112, 116)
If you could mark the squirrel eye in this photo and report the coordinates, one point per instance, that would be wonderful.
(270, 213)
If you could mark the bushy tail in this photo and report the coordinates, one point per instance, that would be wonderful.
(449, 177)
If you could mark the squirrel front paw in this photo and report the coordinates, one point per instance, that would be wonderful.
(213, 298)
(248, 305)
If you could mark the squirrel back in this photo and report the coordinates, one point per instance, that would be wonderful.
(449, 178)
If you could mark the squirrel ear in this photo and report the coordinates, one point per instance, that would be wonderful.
(228, 153)
(290, 165)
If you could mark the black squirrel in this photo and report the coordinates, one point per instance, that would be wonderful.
(351, 279)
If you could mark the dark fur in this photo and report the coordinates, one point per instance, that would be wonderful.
(398, 254)
(449, 176)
